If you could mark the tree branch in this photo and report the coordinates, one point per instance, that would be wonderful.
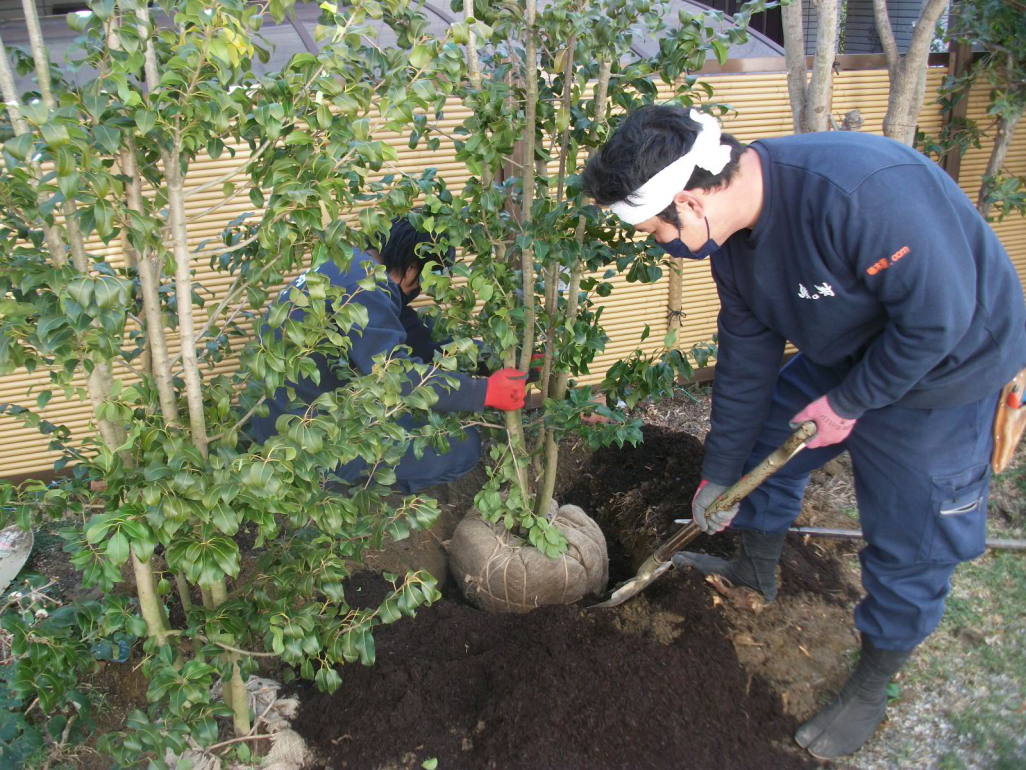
(797, 70)
(886, 34)
(820, 89)
(150, 285)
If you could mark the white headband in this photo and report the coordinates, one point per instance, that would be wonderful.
(657, 193)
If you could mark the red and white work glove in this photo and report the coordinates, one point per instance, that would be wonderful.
(506, 390)
(831, 428)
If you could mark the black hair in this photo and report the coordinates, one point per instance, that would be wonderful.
(399, 249)
(647, 141)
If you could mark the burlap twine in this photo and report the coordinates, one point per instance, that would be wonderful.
(273, 718)
(501, 572)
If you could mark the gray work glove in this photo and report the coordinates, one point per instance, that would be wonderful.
(707, 492)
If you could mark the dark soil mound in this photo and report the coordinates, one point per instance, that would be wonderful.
(652, 684)
(655, 683)
(635, 494)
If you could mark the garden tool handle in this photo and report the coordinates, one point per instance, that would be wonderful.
(736, 493)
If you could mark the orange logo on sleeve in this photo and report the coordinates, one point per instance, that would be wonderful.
(883, 264)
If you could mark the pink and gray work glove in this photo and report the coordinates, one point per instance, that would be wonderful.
(831, 428)
(706, 493)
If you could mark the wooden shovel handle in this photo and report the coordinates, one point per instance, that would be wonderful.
(735, 494)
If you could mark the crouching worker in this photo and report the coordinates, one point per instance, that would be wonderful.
(392, 326)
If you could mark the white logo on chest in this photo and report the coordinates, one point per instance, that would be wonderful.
(822, 290)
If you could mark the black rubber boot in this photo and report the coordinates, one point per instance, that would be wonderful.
(755, 567)
(851, 718)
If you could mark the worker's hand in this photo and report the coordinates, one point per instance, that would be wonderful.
(506, 389)
(831, 428)
(706, 493)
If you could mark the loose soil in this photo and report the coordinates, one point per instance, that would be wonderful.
(652, 684)
(675, 677)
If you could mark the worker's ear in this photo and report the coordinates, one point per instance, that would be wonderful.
(690, 206)
(412, 277)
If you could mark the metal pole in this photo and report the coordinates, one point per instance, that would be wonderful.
(994, 543)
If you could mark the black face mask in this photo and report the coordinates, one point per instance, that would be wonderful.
(678, 249)
(414, 293)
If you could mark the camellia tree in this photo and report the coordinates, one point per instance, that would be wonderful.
(166, 484)
(545, 87)
(169, 483)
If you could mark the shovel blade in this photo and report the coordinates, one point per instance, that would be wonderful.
(648, 573)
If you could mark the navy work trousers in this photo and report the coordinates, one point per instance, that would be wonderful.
(413, 475)
(921, 479)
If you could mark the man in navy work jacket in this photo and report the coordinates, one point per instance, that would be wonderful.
(909, 319)
(392, 323)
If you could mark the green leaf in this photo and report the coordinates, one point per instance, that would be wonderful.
(108, 137)
(226, 554)
(117, 548)
(43, 399)
(721, 51)
(225, 519)
(298, 138)
(256, 197)
(55, 134)
(97, 528)
(145, 120)
(430, 764)
(20, 146)
(420, 56)
(389, 611)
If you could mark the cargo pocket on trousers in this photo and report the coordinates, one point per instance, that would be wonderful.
(957, 529)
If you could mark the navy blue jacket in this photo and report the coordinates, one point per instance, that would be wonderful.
(870, 260)
(391, 322)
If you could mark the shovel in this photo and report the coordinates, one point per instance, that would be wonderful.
(659, 562)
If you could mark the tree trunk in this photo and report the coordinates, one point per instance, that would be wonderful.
(183, 292)
(99, 380)
(150, 284)
(1002, 141)
(797, 71)
(149, 603)
(820, 90)
(558, 391)
(235, 695)
(179, 248)
(528, 172)
(908, 72)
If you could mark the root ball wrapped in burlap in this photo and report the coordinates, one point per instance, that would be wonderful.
(500, 572)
